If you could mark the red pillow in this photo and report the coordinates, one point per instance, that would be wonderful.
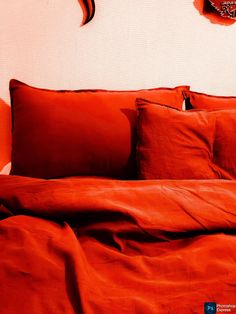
(225, 141)
(196, 100)
(174, 144)
(85, 132)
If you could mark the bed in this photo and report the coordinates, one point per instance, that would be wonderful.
(110, 242)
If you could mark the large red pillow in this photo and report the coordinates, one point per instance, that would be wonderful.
(175, 144)
(196, 100)
(84, 132)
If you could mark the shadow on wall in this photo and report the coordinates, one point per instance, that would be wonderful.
(207, 10)
(5, 133)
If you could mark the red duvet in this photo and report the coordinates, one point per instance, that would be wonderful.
(87, 245)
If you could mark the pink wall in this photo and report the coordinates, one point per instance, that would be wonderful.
(129, 44)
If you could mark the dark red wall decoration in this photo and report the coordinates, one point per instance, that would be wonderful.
(88, 7)
(226, 8)
(217, 11)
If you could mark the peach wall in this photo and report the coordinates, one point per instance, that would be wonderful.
(129, 44)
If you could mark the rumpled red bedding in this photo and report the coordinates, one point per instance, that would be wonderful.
(89, 245)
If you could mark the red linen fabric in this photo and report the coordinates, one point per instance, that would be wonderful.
(174, 144)
(98, 246)
(204, 101)
(5, 134)
(225, 141)
(85, 132)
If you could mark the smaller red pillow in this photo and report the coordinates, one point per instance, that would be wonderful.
(225, 141)
(196, 100)
(174, 144)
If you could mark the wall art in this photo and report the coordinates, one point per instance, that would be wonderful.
(88, 8)
(217, 11)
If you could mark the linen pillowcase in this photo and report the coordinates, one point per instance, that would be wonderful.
(174, 144)
(225, 141)
(85, 132)
(194, 100)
